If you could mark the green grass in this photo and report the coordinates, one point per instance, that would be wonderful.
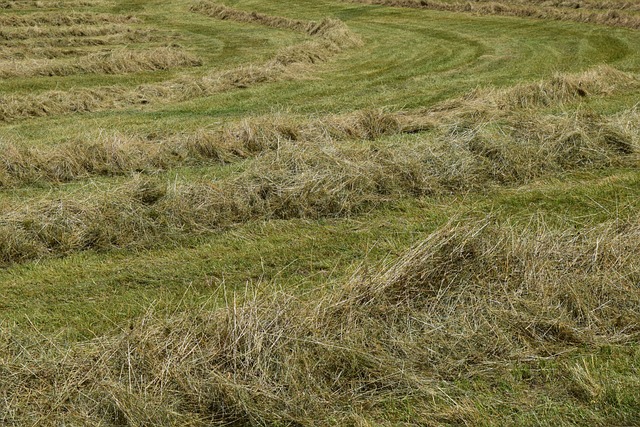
(410, 59)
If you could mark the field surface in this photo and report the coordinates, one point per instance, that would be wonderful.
(312, 213)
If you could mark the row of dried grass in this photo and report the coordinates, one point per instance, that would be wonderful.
(307, 179)
(119, 154)
(468, 301)
(26, 41)
(32, 51)
(560, 89)
(614, 18)
(49, 4)
(331, 29)
(111, 62)
(577, 4)
(64, 19)
(110, 154)
(8, 36)
(331, 38)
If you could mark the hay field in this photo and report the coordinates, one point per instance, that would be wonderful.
(312, 213)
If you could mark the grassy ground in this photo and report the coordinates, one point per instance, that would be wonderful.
(240, 239)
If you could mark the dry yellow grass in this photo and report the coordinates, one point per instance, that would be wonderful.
(492, 319)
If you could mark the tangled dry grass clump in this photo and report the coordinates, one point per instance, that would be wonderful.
(112, 62)
(473, 297)
(614, 17)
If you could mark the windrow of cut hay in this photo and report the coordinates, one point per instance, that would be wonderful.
(36, 52)
(576, 4)
(49, 4)
(8, 36)
(64, 19)
(331, 29)
(331, 37)
(51, 38)
(117, 153)
(122, 154)
(307, 179)
(614, 18)
(112, 62)
(469, 301)
(602, 80)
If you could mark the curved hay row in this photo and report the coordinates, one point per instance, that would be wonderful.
(612, 18)
(113, 62)
(470, 298)
(577, 4)
(330, 38)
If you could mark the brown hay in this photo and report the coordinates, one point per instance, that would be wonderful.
(469, 300)
(121, 154)
(112, 62)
